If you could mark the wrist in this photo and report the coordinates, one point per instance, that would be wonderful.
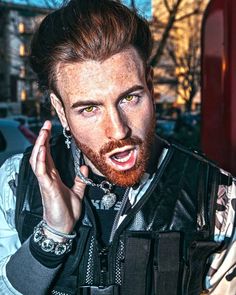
(51, 240)
(52, 236)
(48, 259)
(61, 227)
(47, 228)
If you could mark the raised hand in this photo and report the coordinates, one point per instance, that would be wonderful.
(61, 205)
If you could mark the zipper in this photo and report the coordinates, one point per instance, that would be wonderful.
(118, 215)
(105, 252)
(120, 256)
(103, 259)
(150, 189)
(114, 238)
(90, 265)
(89, 277)
(106, 259)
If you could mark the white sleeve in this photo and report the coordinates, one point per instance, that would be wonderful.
(9, 240)
(221, 277)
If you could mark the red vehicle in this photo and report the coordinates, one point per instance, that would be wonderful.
(219, 83)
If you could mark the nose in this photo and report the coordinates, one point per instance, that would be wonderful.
(117, 126)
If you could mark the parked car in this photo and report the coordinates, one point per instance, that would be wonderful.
(14, 138)
(32, 123)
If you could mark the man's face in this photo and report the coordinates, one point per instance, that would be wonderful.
(108, 108)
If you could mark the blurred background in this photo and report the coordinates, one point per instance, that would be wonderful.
(193, 64)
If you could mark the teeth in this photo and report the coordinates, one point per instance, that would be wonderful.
(123, 160)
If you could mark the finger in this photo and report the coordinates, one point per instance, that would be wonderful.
(48, 126)
(79, 185)
(41, 171)
(40, 165)
(41, 140)
(49, 159)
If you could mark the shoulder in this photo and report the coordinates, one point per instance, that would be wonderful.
(10, 169)
(199, 173)
(193, 153)
(9, 172)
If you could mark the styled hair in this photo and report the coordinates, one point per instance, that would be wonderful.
(86, 30)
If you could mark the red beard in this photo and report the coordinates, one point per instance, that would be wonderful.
(122, 178)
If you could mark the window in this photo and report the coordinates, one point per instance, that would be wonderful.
(22, 50)
(23, 95)
(21, 28)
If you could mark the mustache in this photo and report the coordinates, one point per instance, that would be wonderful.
(110, 146)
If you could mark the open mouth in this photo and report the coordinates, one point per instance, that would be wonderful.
(123, 159)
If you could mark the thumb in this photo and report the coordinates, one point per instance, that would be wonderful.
(79, 185)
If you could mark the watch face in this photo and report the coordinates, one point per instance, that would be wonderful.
(60, 249)
(47, 245)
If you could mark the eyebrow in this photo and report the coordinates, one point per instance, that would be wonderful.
(97, 102)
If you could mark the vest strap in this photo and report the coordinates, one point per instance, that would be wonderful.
(137, 252)
(166, 266)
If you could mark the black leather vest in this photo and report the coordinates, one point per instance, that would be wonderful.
(160, 248)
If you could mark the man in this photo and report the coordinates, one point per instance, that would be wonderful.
(110, 208)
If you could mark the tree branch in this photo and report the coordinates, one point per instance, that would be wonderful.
(157, 56)
(167, 6)
(194, 12)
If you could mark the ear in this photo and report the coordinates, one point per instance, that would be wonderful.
(149, 80)
(58, 106)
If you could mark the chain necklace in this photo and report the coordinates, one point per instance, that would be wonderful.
(109, 198)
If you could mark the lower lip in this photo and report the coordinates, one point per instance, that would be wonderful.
(122, 166)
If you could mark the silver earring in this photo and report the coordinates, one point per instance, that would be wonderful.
(68, 136)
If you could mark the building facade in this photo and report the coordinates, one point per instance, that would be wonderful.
(174, 79)
(18, 86)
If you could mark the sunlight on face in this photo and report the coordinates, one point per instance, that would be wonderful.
(109, 110)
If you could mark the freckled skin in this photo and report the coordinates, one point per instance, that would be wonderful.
(108, 116)
(106, 104)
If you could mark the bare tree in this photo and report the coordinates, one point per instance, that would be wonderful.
(187, 65)
(167, 14)
(176, 57)
(184, 49)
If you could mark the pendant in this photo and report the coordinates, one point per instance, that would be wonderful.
(108, 200)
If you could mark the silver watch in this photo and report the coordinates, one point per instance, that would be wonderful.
(49, 245)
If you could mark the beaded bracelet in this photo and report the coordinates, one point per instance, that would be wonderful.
(48, 244)
(44, 224)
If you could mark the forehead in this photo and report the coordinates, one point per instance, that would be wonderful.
(87, 78)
